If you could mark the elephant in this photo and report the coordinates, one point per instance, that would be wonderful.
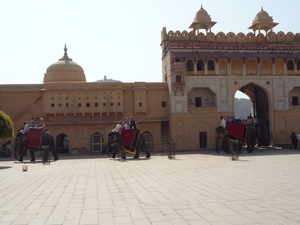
(115, 141)
(20, 146)
(251, 134)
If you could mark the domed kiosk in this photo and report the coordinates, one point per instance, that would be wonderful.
(202, 21)
(263, 21)
(65, 70)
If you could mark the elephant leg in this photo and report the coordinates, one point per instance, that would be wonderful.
(122, 151)
(144, 148)
(22, 153)
(217, 145)
(240, 148)
(32, 156)
(148, 155)
(115, 151)
(250, 147)
(16, 153)
(137, 154)
(225, 145)
(54, 154)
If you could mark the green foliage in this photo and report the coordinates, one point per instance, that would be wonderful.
(6, 126)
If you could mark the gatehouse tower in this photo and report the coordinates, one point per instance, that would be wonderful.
(205, 70)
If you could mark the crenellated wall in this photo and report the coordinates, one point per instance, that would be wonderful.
(229, 37)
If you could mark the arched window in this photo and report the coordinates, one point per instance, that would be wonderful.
(290, 65)
(298, 65)
(210, 65)
(148, 140)
(200, 65)
(190, 65)
(97, 143)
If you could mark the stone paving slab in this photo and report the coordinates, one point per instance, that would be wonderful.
(194, 188)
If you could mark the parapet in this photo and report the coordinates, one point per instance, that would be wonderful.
(229, 37)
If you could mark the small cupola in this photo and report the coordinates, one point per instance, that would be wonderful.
(202, 21)
(263, 21)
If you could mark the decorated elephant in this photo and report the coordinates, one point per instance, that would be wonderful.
(34, 140)
(130, 141)
(250, 136)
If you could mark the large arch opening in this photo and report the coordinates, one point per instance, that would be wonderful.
(62, 143)
(260, 110)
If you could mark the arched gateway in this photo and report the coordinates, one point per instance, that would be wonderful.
(260, 109)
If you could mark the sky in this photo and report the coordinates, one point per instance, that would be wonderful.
(117, 38)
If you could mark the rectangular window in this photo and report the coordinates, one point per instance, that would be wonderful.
(104, 104)
(52, 105)
(198, 102)
(178, 79)
(79, 104)
(96, 104)
(119, 103)
(87, 104)
(140, 104)
(163, 104)
(294, 100)
(67, 104)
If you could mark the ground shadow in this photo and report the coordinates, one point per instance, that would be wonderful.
(5, 167)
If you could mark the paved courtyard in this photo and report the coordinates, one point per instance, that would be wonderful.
(198, 188)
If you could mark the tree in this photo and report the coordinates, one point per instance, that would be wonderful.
(6, 126)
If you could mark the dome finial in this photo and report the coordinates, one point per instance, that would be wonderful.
(262, 8)
(65, 57)
(201, 6)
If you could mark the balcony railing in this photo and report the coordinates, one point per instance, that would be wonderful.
(178, 85)
(178, 66)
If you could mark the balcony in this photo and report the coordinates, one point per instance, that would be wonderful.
(179, 66)
(179, 85)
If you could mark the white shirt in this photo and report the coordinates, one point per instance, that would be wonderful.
(42, 125)
(223, 123)
(25, 129)
(298, 136)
